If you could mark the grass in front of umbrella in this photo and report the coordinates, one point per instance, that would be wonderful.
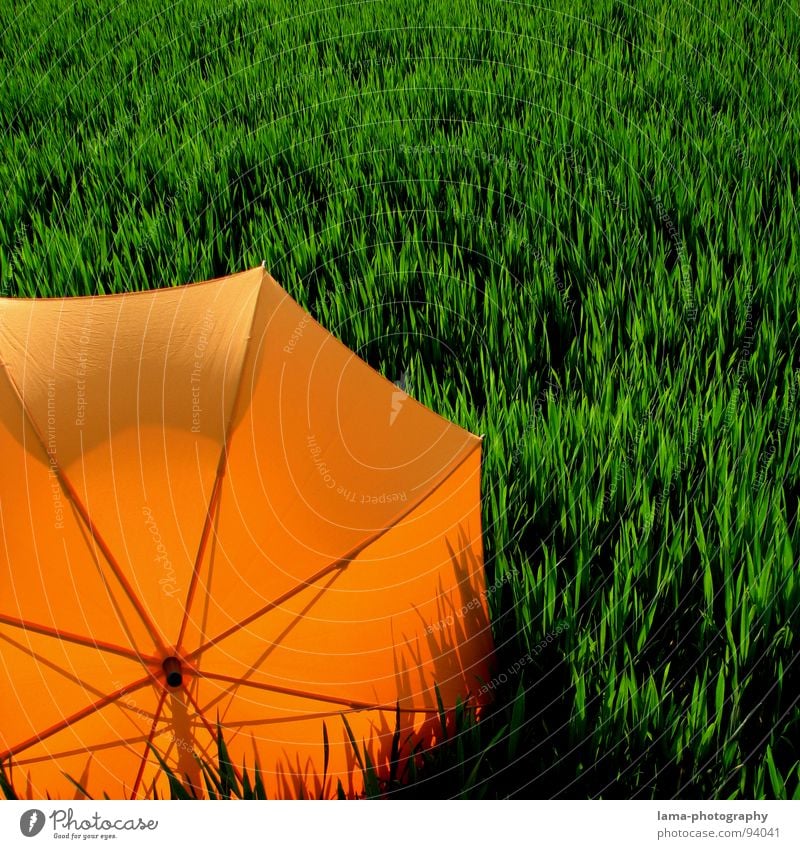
(575, 233)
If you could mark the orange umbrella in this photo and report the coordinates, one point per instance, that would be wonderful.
(212, 511)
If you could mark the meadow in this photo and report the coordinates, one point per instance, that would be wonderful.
(573, 230)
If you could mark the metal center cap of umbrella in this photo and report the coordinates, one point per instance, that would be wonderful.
(172, 669)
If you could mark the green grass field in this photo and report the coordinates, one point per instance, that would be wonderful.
(573, 230)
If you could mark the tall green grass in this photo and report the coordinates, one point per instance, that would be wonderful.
(575, 230)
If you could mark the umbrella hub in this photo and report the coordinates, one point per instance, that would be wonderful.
(173, 671)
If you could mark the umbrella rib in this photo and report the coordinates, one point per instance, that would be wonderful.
(112, 561)
(341, 563)
(306, 717)
(201, 548)
(354, 704)
(96, 747)
(67, 637)
(76, 717)
(71, 493)
(150, 737)
(292, 624)
(221, 467)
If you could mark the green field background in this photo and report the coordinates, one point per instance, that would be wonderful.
(572, 229)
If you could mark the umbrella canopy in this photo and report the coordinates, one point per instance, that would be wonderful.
(212, 511)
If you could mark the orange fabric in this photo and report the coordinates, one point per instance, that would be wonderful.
(205, 473)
